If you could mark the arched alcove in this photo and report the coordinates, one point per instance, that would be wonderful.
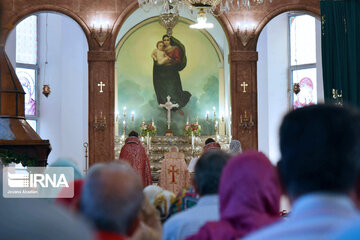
(216, 37)
(275, 88)
(62, 117)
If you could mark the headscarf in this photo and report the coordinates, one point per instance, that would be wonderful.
(71, 202)
(64, 162)
(61, 162)
(249, 195)
(187, 198)
(235, 147)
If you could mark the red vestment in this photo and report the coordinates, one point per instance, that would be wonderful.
(134, 153)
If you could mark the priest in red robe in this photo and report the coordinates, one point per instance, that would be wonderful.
(134, 153)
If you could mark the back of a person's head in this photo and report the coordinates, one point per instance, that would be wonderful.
(209, 140)
(112, 197)
(133, 134)
(320, 150)
(208, 171)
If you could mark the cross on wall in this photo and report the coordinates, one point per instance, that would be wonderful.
(101, 85)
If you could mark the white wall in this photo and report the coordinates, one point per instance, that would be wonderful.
(64, 114)
(273, 82)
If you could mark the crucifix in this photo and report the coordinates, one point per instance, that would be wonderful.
(101, 85)
(168, 106)
(244, 85)
(173, 171)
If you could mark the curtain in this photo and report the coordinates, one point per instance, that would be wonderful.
(340, 22)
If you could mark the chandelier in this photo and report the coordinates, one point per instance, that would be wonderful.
(169, 9)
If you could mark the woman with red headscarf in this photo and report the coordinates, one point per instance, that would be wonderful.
(249, 194)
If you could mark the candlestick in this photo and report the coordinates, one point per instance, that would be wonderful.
(124, 111)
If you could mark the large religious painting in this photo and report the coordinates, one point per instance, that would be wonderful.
(150, 66)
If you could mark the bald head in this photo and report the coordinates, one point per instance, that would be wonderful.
(112, 197)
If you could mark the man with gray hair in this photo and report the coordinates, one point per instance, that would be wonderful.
(111, 199)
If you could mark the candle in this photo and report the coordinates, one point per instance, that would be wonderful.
(124, 111)
(240, 118)
(245, 115)
(116, 116)
(187, 121)
(214, 111)
(132, 116)
(152, 122)
(207, 116)
(104, 119)
(100, 115)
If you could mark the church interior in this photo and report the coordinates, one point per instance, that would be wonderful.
(78, 79)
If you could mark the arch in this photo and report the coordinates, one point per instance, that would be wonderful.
(297, 7)
(181, 19)
(50, 8)
(223, 21)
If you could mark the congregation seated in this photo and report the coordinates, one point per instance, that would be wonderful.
(135, 154)
(319, 168)
(249, 195)
(174, 174)
(111, 200)
(207, 176)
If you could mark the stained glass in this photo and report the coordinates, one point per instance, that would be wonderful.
(26, 41)
(27, 80)
(306, 78)
(32, 123)
(302, 39)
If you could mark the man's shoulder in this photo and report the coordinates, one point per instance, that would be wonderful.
(273, 231)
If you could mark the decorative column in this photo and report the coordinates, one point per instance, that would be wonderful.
(101, 106)
(243, 72)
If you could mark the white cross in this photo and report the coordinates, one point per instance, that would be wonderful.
(244, 85)
(101, 85)
(168, 106)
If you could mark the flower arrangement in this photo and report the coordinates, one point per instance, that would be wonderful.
(192, 128)
(148, 128)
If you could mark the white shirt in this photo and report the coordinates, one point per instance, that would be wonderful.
(189, 222)
(314, 216)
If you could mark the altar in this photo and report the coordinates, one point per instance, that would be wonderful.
(161, 144)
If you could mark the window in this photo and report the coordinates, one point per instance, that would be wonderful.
(27, 66)
(303, 73)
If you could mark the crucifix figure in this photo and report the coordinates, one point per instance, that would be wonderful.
(173, 171)
(168, 106)
(244, 85)
(101, 85)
